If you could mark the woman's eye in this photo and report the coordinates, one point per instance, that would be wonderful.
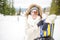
(35, 11)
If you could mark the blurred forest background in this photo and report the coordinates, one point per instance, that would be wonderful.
(7, 8)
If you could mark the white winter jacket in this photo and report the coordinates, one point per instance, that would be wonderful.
(32, 31)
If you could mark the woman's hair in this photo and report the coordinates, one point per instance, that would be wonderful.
(28, 11)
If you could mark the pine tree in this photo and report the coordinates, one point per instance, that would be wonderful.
(12, 11)
(58, 5)
(1, 6)
(5, 8)
(19, 11)
(55, 7)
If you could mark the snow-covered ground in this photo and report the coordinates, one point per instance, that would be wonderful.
(13, 28)
(56, 34)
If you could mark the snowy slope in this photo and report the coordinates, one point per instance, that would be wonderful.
(56, 34)
(13, 28)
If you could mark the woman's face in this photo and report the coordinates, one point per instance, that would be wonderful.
(34, 14)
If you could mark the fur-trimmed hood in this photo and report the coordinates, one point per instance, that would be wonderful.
(31, 6)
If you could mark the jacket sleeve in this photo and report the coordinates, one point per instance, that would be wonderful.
(40, 23)
(45, 26)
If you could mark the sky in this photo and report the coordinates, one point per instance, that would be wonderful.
(26, 3)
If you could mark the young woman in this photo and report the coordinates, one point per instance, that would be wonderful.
(34, 15)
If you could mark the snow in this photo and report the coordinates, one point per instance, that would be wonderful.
(56, 34)
(13, 28)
